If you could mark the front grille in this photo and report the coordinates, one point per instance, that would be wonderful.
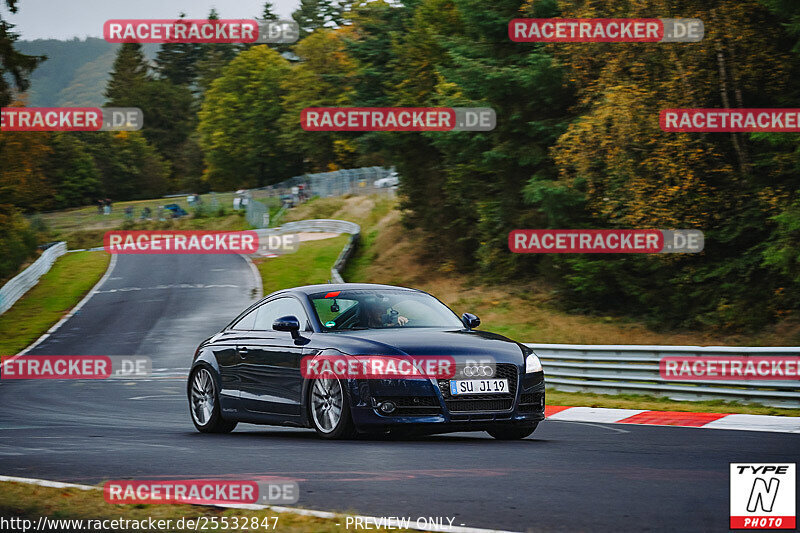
(413, 405)
(484, 402)
(461, 406)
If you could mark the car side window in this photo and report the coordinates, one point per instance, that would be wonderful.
(271, 311)
(247, 322)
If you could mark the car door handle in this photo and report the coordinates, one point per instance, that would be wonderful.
(243, 351)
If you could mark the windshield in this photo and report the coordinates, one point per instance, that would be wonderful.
(381, 308)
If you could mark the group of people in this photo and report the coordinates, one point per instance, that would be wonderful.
(147, 213)
(104, 206)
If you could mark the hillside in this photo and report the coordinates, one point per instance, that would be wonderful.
(528, 312)
(75, 73)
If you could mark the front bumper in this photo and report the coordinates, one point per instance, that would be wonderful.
(424, 405)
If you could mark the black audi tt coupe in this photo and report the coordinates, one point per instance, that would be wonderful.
(258, 369)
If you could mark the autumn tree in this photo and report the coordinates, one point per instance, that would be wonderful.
(634, 175)
(23, 181)
(239, 130)
(322, 78)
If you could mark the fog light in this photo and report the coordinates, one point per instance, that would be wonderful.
(387, 407)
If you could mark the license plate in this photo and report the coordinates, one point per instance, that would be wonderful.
(478, 386)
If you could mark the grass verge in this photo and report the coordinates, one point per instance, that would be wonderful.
(31, 502)
(81, 218)
(654, 403)
(58, 291)
(92, 237)
(527, 311)
(310, 264)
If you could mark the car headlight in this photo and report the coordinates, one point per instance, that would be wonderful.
(532, 364)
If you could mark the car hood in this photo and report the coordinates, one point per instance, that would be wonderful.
(424, 341)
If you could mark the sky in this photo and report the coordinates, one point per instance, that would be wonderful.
(65, 19)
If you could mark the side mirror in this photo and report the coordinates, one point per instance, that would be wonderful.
(470, 321)
(288, 323)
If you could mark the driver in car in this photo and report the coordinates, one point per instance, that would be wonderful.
(378, 316)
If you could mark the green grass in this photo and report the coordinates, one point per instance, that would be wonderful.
(31, 501)
(58, 291)
(310, 264)
(88, 218)
(363, 257)
(652, 403)
(365, 210)
(91, 238)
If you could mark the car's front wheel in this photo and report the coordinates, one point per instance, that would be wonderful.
(204, 403)
(330, 410)
(512, 433)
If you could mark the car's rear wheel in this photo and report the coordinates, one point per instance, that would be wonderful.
(330, 410)
(204, 404)
(513, 432)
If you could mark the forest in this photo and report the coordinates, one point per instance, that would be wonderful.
(577, 142)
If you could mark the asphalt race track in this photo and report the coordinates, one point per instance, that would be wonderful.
(568, 476)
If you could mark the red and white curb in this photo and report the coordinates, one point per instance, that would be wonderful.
(601, 415)
(386, 522)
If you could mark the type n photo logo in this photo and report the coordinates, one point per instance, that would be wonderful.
(763, 496)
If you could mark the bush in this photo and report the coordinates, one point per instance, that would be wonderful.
(17, 241)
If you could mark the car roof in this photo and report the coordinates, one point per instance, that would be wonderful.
(307, 290)
(331, 287)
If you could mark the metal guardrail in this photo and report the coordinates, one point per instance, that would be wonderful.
(324, 225)
(634, 369)
(17, 286)
(341, 261)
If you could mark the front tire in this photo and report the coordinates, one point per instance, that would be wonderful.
(512, 433)
(329, 409)
(204, 403)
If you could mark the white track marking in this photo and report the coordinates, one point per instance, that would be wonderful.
(75, 309)
(783, 424)
(594, 414)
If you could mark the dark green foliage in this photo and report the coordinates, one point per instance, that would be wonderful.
(17, 241)
(15, 67)
(72, 172)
